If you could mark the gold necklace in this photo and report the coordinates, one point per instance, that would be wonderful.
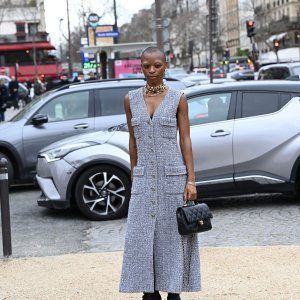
(154, 90)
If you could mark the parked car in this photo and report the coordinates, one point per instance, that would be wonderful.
(216, 72)
(197, 78)
(57, 114)
(279, 71)
(245, 137)
(243, 75)
(177, 73)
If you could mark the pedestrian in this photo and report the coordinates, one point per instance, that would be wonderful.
(3, 98)
(156, 258)
(92, 76)
(64, 80)
(13, 89)
(38, 86)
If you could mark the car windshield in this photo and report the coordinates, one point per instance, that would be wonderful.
(296, 70)
(27, 108)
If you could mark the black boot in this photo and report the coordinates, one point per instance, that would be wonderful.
(152, 296)
(172, 296)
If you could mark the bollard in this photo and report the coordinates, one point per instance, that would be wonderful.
(5, 214)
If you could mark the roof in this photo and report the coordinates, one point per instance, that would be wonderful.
(26, 46)
(253, 85)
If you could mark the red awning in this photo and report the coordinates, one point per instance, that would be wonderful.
(26, 46)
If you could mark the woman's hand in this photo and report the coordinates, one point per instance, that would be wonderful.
(190, 192)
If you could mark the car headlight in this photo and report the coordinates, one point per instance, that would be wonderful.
(60, 152)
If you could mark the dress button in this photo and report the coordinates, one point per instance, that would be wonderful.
(153, 176)
(150, 136)
(153, 188)
(153, 215)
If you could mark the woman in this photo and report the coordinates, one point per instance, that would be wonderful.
(156, 257)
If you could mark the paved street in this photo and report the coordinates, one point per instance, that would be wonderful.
(254, 221)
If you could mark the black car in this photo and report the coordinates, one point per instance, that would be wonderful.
(243, 75)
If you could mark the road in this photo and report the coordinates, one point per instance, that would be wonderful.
(257, 221)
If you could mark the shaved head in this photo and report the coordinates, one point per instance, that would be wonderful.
(154, 49)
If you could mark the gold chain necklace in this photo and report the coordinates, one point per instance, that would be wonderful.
(154, 90)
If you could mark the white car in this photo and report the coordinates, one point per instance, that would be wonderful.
(245, 139)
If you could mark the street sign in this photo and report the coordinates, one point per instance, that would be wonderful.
(93, 19)
(108, 34)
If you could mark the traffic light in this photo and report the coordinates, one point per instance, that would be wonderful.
(276, 44)
(250, 28)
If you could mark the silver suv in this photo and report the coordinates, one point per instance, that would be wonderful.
(67, 111)
(245, 136)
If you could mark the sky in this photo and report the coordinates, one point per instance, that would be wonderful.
(57, 9)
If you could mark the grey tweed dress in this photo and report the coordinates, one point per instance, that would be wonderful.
(156, 257)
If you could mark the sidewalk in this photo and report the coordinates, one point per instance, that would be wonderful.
(250, 273)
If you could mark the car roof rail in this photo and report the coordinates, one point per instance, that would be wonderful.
(72, 84)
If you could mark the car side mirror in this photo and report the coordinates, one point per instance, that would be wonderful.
(39, 119)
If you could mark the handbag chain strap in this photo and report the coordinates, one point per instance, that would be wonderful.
(186, 283)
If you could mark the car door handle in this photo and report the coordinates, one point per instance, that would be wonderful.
(220, 132)
(81, 126)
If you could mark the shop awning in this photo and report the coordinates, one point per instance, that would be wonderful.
(276, 36)
(26, 46)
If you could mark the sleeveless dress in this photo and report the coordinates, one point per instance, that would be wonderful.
(156, 257)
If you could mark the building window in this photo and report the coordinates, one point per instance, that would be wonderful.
(20, 27)
(194, 5)
(297, 37)
(32, 29)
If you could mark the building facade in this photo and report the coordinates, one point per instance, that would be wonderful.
(24, 42)
(278, 19)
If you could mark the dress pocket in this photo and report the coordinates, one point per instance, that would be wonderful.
(175, 179)
(138, 181)
(136, 124)
(168, 127)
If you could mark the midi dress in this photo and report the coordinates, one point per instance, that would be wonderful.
(156, 257)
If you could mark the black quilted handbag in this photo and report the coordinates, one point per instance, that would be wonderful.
(193, 218)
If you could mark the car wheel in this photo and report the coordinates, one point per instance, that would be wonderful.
(10, 168)
(103, 192)
(298, 187)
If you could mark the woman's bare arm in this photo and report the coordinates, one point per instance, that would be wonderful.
(186, 147)
(132, 143)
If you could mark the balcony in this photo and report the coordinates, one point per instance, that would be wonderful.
(15, 38)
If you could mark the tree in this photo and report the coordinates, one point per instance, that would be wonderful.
(138, 29)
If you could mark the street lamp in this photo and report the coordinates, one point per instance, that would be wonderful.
(298, 37)
(60, 43)
(69, 42)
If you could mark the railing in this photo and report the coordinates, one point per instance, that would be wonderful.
(12, 38)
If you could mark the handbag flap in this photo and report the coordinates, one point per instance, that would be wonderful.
(196, 212)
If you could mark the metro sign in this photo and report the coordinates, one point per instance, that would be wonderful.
(107, 34)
